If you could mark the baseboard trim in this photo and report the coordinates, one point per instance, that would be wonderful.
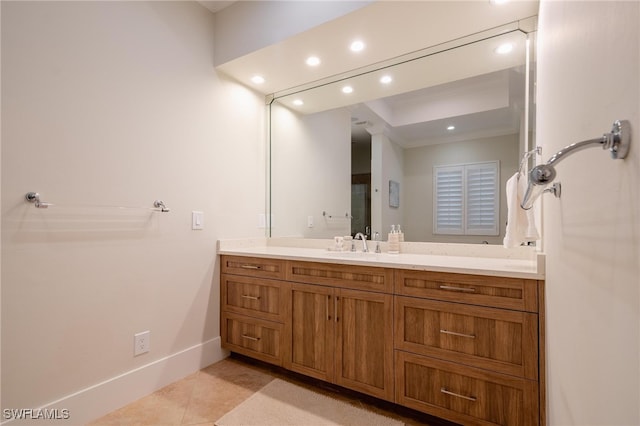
(97, 400)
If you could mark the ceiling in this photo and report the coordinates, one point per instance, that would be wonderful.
(471, 87)
(389, 29)
(423, 117)
(215, 6)
(397, 31)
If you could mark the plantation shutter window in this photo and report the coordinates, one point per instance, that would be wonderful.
(449, 200)
(466, 199)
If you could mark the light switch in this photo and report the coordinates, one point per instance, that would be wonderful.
(197, 220)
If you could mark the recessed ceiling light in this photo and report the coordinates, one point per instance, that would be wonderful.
(386, 79)
(298, 102)
(347, 89)
(357, 46)
(498, 1)
(257, 79)
(505, 48)
(451, 128)
(313, 61)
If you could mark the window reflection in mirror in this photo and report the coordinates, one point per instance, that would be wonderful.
(334, 154)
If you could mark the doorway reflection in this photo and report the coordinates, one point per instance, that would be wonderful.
(360, 181)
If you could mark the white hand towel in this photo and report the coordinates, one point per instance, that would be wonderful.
(521, 225)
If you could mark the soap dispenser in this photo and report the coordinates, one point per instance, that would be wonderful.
(394, 242)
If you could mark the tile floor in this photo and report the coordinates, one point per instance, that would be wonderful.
(203, 397)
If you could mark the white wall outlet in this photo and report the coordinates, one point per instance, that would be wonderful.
(141, 342)
(197, 220)
(309, 221)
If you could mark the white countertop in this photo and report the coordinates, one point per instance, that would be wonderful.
(475, 259)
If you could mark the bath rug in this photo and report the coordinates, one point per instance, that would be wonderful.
(281, 403)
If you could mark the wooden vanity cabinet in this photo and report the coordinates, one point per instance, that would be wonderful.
(466, 348)
(254, 307)
(341, 334)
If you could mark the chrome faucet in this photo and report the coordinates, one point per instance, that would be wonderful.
(364, 241)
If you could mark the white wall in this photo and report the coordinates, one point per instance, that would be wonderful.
(387, 164)
(310, 172)
(419, 162)
(588, 73)
(116, 103)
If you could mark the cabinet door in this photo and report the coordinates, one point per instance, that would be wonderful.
(465, 395)
(365, 342)
(252, 266)
(345, 276)
(312, 331)
(253, 337)
(499, 292)
(254, 297)
(501, 340)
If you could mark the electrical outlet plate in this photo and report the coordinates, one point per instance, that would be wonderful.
(141, 342)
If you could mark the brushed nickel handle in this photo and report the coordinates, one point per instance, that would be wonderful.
(246, 296)
(336, 308)
(452, 288)
(250, 267)
(327, 308)
(453, 333)
(255, 339)
(468, 398)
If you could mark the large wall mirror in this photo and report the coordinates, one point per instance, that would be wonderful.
(373, 148)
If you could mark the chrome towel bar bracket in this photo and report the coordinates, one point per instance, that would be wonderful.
(34, 197)
(617, 141)
(333, 216)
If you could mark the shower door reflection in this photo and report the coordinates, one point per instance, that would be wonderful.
(361, 204)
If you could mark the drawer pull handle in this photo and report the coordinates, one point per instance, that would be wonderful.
(255, 339)
(453, 333)
(468, 398)
(250, 267)
(246, 296)
(452, 288)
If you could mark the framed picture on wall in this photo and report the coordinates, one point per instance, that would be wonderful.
(394, 194)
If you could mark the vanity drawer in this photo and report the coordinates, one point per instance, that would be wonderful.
(337, 275)
(495, 339)
(499, 292)
(263, 340)
(252, 266)
(463, 394)
(254, 297)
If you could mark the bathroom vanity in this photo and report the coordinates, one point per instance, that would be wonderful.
(435, 333)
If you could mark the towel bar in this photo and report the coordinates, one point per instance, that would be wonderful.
(617, 142)
(34, 197)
